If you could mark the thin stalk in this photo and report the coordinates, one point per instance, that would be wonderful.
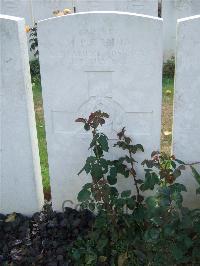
(134, 176)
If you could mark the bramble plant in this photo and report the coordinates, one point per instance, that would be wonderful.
(169, 68)
(34, 41)
(130, 229)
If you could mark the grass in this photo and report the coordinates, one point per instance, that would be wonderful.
(167, 115)
(166, 137)
(39, 114)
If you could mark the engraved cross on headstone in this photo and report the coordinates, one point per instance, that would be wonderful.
(100, 91)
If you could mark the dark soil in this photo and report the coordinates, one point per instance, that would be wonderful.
(43, 239)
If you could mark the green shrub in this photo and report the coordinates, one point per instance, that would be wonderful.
(33, 40)
(35, 69)
(130, 229)
(169, 68)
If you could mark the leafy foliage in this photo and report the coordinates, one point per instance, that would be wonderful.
(130, 229)
(33, 40)
(169, 68)
(35, 70)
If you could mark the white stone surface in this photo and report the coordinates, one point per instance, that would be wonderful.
(100, 60)
(20, 177)
(147, 7)
(35, 10)
(17, 8)
(43, 9)
(186, 131)
(171, 11)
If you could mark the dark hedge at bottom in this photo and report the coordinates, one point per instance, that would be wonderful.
(42, 239)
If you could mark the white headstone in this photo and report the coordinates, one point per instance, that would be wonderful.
(186, 136)
(147, 7)
(20, 177)
(18, 8)
(171, 11)
(44, 9)
(100, 60)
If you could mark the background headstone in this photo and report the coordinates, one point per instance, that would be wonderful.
(186, 131)
(18, 8)
(171, 11)
(43, 9)
(147, 7)
(34, 10)
(20, 175)
(102, 60)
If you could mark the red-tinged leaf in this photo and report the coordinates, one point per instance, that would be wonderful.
(81, 120)
(121, 133)
(91, 117)
(101, 121)
(105, 115)
(154, 153)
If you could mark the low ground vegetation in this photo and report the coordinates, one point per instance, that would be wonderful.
(130, 229)
(112, 227)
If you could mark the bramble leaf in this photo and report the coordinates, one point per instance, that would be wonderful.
(195, 174)
(103, 141)
(84, 195)
(126, 194)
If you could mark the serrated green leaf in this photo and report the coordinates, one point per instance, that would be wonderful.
(112, 180)
(177, 198)
(179, 161)
(131, 203)
(178, 187)
(114, 192)
(96, 171)
(98, 151)
(151, 202)
(176, 173)
(103, 141)
(139, 147)
(113, 172)
(83, 195)
(169, 230)
(87, 127)
(151, 179)
(195, 174)
(87, 186)
(126, 194)
(152, 234)
(177, 252)
(173, 164)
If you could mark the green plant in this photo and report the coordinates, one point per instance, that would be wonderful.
(35, 70)
(169, 68)
(130, 229)
(34, 41)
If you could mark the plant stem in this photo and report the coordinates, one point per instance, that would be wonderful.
(134, 175)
